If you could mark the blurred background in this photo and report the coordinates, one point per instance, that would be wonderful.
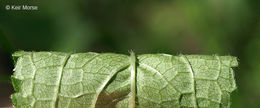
(222, 27)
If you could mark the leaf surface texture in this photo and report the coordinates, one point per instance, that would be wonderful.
(108, 80)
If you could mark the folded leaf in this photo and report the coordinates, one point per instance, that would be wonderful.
(107, 80)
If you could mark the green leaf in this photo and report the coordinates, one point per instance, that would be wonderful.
(107, 80)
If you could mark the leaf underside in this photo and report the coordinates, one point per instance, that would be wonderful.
(108, 80)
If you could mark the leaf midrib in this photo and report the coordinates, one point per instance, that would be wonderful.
(60, 78)
(193, 79)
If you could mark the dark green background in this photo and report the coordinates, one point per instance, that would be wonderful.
(222, 27)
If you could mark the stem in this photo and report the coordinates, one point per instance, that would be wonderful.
(132, 79)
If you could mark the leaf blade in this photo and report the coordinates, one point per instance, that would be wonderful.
(53, 79)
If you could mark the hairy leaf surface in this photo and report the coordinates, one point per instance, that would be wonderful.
(108, 80)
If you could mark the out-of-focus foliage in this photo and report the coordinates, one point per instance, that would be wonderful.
(167, 26)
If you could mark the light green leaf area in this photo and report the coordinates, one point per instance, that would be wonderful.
(108, 80)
